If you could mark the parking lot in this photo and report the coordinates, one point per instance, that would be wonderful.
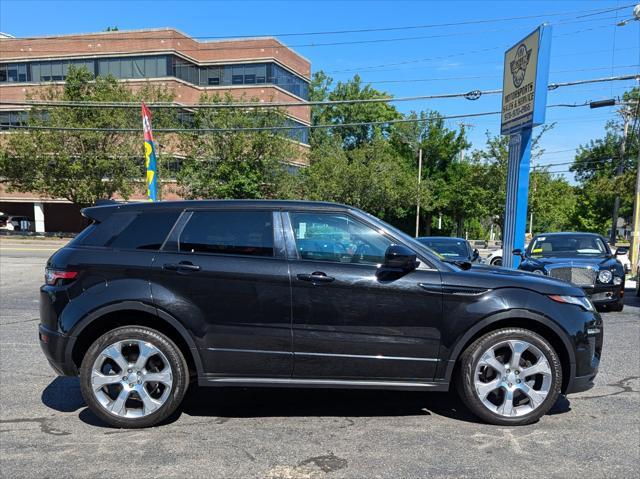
(46, 430)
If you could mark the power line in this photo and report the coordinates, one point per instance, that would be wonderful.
(412, 80)
(591, 12)
(267, 128)
(341, 43)
(470, 95)
(460, 54)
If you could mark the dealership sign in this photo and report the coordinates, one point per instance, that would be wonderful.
(524, 100)
(524, 86)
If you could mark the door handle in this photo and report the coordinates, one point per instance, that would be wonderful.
(316, 277)
(182, 267)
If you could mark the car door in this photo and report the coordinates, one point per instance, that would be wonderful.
(347, 323)
(223, 273)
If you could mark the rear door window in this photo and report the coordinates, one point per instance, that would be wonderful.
(145, 230)
(246, 233)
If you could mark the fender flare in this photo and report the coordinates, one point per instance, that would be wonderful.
(510, 314)
(134, 306)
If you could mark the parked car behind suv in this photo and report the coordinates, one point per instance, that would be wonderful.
(458, 249)
(584, 259)
(278, 293)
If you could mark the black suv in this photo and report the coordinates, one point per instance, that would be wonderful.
(152, 296)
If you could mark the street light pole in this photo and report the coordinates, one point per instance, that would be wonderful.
(619, 171)
(418, 198)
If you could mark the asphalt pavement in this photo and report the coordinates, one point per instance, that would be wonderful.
(47, 431)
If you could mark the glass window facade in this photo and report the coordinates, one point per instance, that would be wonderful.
(158, 66)
(12, 118)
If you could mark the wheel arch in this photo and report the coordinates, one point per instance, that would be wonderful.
(132, 313)
(520, 319)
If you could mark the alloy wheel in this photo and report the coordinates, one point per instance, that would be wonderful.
(512, 378)
(131, 378)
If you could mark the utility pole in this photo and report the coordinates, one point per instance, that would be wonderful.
(533, 171)
(635, 235)
(619, 170)
(418, 198)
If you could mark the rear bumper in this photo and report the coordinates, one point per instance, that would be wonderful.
(55, 347)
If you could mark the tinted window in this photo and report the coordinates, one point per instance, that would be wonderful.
(568, 245)
(449, 248)
(337, 237)
(148, 231)
(132, 230)
(247, 233)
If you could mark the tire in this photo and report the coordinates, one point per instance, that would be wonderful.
(496, 261)
(162, 360)
(526, 408)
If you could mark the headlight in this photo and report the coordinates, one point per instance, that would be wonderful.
(605, 276)
(581, 301)
(617, 280)
(538, 271)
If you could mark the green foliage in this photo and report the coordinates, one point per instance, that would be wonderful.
(371, 177)
(81, 166)
(236, 164)
(595, 167)
(344, 114)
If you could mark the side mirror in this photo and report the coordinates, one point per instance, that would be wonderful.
(622, 250)
(475, 255)
(518, 252)
(399, 259)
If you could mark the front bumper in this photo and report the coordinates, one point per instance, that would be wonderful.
(588, 351)
(55, 347)
(602, 295)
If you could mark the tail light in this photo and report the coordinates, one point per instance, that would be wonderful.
(56, 277)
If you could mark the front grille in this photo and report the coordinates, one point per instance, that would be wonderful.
(576, 275)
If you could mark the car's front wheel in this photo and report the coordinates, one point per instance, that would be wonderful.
(510, 376)
(133, 377)
(497, 261)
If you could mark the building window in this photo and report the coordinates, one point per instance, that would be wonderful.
(13, 118)
(157, 66)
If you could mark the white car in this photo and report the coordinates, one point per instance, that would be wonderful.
(622, 255)
(495, 258)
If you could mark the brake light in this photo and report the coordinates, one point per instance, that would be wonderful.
(52, 276)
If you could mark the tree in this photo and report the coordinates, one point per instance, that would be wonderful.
(82, 166)
(495, 157)
(348, 113)
(552, 202)
(371, 177)
(595, 167)
(236, 164)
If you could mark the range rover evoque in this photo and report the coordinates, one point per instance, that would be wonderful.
(153, 296)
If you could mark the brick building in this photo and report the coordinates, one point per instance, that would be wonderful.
(261, 68)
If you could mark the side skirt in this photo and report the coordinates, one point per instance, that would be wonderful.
(440, 386)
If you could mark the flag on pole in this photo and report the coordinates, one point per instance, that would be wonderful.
(149, 154)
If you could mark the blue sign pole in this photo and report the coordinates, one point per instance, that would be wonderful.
(524, 102)
(515, 217)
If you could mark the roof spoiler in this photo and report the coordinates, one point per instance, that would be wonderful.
(101, 211)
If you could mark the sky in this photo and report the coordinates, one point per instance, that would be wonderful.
(421, 60)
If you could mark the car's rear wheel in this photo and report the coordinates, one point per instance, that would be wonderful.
(133, 377)
(496, 261)
(510, 376)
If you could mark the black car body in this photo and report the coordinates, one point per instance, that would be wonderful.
(278, 293)
(584, 259)
(456, 249)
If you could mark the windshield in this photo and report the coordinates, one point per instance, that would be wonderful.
(568, 245)
(453, 249)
